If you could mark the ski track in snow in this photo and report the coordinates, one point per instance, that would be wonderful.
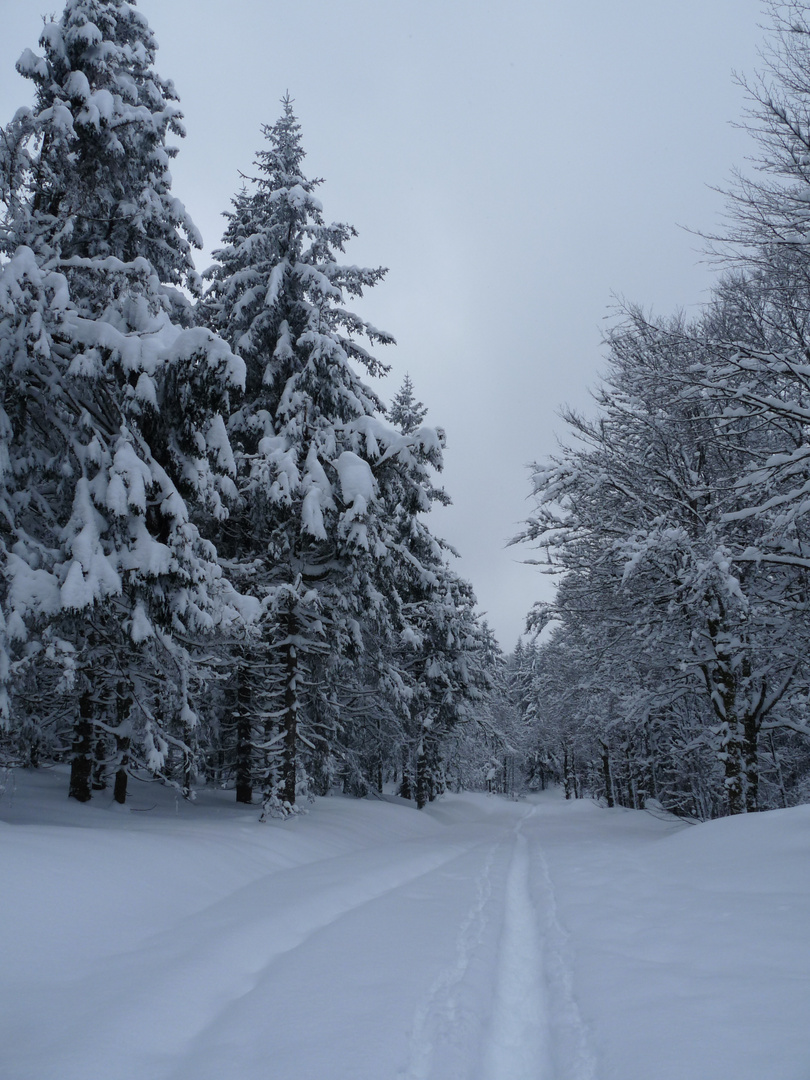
(517, 1042)
(438, 1018)
(535, 1030)
(571, 1052)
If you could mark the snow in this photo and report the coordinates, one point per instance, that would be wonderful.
(77, 590)
(140, 628)
(31, 589)
(134, 475)
(102, 103)
(317, 498)
(32, 65)
(218, 444)
(357, 484)
(312, 514)
(481, 939)
(91, 573)
(145, 390)
(77, 86)
(191, 345)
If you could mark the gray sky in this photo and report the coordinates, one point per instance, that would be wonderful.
(514, 163)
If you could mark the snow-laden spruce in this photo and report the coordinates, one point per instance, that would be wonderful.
(316, 537)
(440, 655)
(93, 149)
(113, 410)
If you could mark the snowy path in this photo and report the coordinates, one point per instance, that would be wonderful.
(518, 1043)
(536, 1031)
(482, 940)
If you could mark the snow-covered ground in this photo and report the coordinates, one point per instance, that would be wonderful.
(481, 939)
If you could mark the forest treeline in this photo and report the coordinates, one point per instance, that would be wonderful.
(217, 562)
(676, 661)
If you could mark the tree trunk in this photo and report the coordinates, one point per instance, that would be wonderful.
(731, 756)
(291, 705)
(121, 774)
(608, 779)
(81, 766)
(750, 739)
(188, 764)
(779, 776)
(380, 760)
(632, 789)
(422, 779)
(100, 765)
(723, 684)
(406, 787)
(123, 705)
(244, 748)
(568, 780)
(651, 757)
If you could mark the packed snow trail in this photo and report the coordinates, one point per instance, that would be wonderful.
(518, 1041)
(443, 1024)
(480, 940)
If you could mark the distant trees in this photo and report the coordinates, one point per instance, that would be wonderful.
(215, 558)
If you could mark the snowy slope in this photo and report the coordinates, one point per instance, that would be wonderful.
(481, 939)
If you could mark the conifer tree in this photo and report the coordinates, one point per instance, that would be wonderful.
(307, 434)
(440, 653)
(406, 413)
(93, 150)
(112, 404)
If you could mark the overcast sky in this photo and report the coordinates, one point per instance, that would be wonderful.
(515, 164)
